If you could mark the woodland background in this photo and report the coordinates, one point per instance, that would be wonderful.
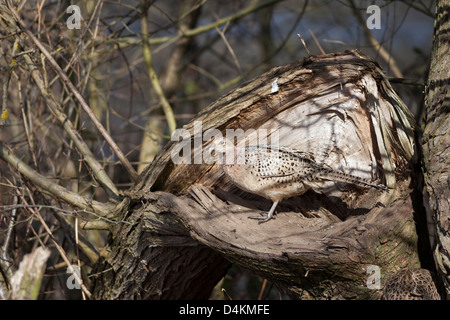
(141, 84)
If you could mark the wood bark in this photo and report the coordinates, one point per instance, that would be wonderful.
(436, 139)
(182, 224)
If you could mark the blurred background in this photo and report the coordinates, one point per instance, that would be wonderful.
(199, 50)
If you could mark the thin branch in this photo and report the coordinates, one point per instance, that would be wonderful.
(253, 7)
(288, 36)
(151, 71)
(60, 249)
(128, 167)
(316, 41)
(6, 265)
(7, 240)
(230, 49)
(78, 50)
(423, 9)
(96, 169)
(405, 81)
(84, 244)
(53, 188)
(64, 211)
(4, 110)
(207, 74)
(304, 44)
(384, 54)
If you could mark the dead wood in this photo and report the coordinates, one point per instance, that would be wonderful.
(185, 221)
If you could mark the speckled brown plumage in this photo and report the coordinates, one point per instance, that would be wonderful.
(411, 284)
(279, 173)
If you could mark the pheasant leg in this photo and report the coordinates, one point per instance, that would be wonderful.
(266, 215)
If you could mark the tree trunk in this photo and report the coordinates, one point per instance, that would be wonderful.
(182, 223)
(436, 141)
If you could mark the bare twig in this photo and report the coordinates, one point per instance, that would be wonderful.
(7, 240)
(316, 41)
(151, 71)
(405, 81)
(252, 7)
(304, 44)
(97, 169)
(84, 244)
(78, 50)
(52, 187)
(4, 110)
(124, 161)
(230, 49)
(26, 126)
(261, 291)
(249, 71)
(6, 266)
(384, 54)
(60, 249)
(65, 211)
(94, 165)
